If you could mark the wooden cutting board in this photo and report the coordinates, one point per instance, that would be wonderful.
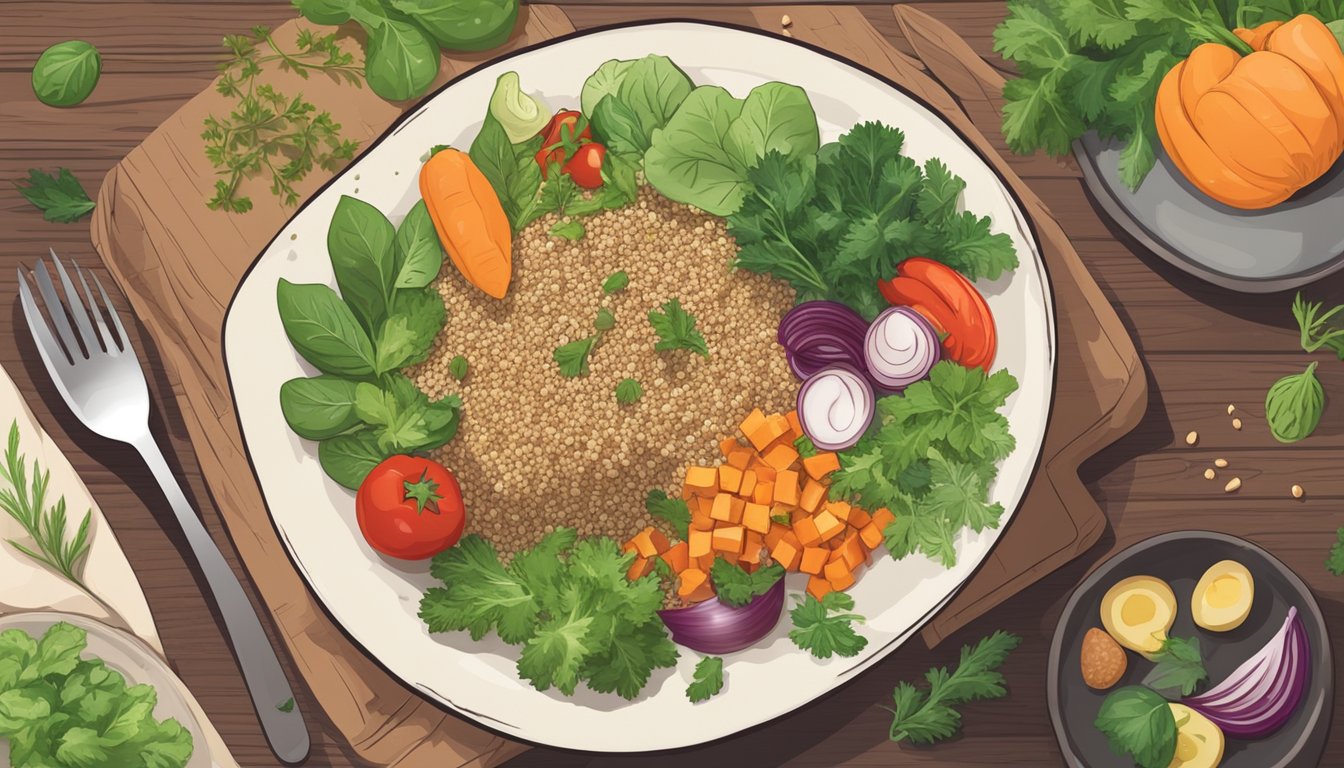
(180, 264)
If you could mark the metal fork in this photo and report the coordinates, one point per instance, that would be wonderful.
(103, 383)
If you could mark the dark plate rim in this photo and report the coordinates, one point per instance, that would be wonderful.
(1323, 664)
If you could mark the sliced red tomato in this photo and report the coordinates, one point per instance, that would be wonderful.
(951, 304)
(410, 508)
(561, 126)
(585, 167)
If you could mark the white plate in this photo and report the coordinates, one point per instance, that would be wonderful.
(130, 656)
(375, 600)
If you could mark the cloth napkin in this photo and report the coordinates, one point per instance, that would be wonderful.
(26, 585)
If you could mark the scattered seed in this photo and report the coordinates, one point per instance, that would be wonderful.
(1192, 438)
(1297, 491)
(294, 236)
(1230, 409)
(787, 33)
(1208, 474)
(1236, 424)
(1220, 463)
(1232, 485)
(785, 21)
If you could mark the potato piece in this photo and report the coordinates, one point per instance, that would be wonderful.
(1102, 660)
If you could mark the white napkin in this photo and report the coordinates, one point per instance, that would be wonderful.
(26, 585)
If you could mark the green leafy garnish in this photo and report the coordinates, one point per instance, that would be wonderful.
(458, 367)
(834, 229)
(824, 628)
(616, 282)
(58, 196)
(1180, 667)
(735, 586)
(1140, 724)
(927, 716)
(1294, 405)
(781, 519)
(628, 391)
(676, 329)
(1334, 562)
(569, 230)
(565, 602)
(266, 132)
(930, 458)
(674, 512)
(25, 500)
(286, 706)
(60, 710)
(573, 357)
(1317, 330)
(66, 73)
(605, 320)
(805, 447)
(708, 679)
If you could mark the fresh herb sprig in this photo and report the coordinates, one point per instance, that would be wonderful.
(1179, 667)
(1318, 330)
(825, 628)
(676, 329)
(25, 500)
(707, 681)
(673, 511)
(1139, 723)
(629, 391)
(267, 132)
(58, 195)
(1334, 562)
(926, 716)
(736, 587)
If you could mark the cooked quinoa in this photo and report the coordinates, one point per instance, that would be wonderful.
(537, 450)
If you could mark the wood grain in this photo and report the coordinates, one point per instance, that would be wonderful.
(1195, 340)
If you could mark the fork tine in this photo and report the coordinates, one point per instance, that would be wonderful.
(46, 343)
(56, 310)
(77, 308)
(104, 335)
(112, 312)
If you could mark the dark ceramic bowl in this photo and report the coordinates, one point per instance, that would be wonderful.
(1180, 559)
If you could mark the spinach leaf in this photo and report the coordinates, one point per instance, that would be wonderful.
(325, 11)
(324, 330)
(401, 61)
(319, 407)
(463, 25)
(688, 162)
(348, 459)
(1139, 723)
(510, 168)
(604, 82)
(616, 125)
(360, 243)
(419, 255)
(66, 73)
(775, 116)
(653, 87)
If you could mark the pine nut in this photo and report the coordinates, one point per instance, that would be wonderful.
(1230, 409)
(1236, 424)
(1298, 492)
(1220, 463)
(785, 21)
(1232, 485)
(1208, 474)
(1192, 438)
(787, 33)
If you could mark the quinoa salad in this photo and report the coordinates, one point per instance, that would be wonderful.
(635, 369)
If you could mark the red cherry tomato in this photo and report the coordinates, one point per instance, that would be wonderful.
(410, 508)
(585, 167)
(552, 135)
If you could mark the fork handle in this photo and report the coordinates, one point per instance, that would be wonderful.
(266, 681)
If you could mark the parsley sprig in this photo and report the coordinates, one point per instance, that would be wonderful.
(924, 716)
(708, 679)
(673, 511)
(1334, 562)
(736, 587)
(267, 132)
(25, 500)
(824, 627)
(676, 329)
(1179, 667)
(58, 195)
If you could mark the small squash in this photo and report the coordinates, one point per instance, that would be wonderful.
(469, 219)
(1250, 131)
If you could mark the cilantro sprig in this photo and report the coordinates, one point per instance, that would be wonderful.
(924, 716)
(565, 602)
(675, 512)
(58, 195)
(676, 329)
(1179, 667)
(736, 587)
(708, 679)
(824, 627)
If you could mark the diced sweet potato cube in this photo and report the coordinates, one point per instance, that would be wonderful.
(841, 584)
(806, 530)
(786, 487)
(821, 465)
(796, 514)
(736, 506)
(730, 478)
(813, 560)
(883, 517)
(756, 517)
(705, 562)
(694, 586)
(729, 538)
(677, 556)
(763, 493)
(871, 535)
(629, 546)
(795, 426)
(751, 548)
(812, 496)
(764, 472)
(739, 459)
(859, 517)
(786, 553)
(767, 433)
(721, 509)
(781, 457)
(838, 508)
(853, 552)
(700, 518)
(834, 570)
(754, 419)
(819, 587)
(700, 544)
(775, 533)
(650, 542)
(748, 484)
(641, 567)
(828, 525)
(702, 479)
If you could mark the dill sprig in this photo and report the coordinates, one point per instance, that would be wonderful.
(26, 502)
(267, 131)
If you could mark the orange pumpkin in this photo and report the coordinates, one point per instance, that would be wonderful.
(1249, 131)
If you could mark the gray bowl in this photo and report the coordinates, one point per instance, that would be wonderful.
(1180, 559)
(1294, 243)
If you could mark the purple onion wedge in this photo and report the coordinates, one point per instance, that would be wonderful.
(713, 627)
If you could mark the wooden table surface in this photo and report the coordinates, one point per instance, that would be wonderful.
(1204, 348)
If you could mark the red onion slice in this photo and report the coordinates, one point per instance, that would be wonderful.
(1261, 695)
(714, 627)
(900, 348)
(835, 407)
